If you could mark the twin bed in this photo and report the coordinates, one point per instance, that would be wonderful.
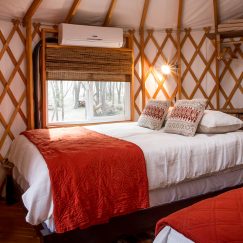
(177, 167)
(216, 219)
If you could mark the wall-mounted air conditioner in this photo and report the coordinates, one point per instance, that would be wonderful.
(82, 35)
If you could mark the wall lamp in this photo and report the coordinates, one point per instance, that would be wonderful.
(167, 68)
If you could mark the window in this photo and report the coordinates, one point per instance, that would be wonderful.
(87, 101)
(86, 85)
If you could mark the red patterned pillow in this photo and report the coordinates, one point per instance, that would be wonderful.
(154, 114)
(185, 117)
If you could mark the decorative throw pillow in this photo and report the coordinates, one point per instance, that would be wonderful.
(185, 117)
(218, 122)
(154, 114)
(167, 115)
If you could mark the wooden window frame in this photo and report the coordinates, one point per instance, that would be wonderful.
(129, 46)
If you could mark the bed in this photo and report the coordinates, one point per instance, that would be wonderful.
(217, 219)
(177, 167)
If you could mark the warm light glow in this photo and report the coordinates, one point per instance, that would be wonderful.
(166, 69)
(159, 75)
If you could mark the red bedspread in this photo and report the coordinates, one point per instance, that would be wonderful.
(93, 176)
(215, 220)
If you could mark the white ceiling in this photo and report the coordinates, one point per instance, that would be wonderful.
(127, 13)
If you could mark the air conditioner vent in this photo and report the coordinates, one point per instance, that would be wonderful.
(82, 35)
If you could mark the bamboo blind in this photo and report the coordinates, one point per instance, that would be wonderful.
(93, 64)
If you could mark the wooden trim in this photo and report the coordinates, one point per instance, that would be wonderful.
(49, 30)
(131, 46)
(72, 11)
(144, 14)
(31, 11)
(29, 85)
(179, 16)
(215, 15)
(136, 44)
(43, 80)
(109, 13)
(217, 48)
(142, 47)
(3, 183)
(66, 46)
(178, 34)
(143, 79)
(226, 35)
(84, 124)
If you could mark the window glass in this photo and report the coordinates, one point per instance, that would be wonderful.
(87, 101)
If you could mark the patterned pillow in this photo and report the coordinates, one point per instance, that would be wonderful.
(167, 115)
(154, 114)
(185, 117)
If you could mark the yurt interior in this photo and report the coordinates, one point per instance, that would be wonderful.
(121, 121)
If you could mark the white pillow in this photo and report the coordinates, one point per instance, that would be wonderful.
(218, 122)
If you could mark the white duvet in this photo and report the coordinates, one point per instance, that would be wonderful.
(170, 159)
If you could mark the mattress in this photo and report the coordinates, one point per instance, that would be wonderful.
(170, 159)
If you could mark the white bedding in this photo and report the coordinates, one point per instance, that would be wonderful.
(170, 159)
(169, 235)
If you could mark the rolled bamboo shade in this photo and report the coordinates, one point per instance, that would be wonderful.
(88, 64)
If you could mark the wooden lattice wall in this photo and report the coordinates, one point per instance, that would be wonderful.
(198, 59)
(13, 118)
(198, 69)
(231, 78)
(159, 48)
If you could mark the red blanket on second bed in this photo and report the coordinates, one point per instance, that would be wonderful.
(215, 220)
(93, 176)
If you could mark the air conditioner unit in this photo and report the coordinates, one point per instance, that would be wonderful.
(82, 35)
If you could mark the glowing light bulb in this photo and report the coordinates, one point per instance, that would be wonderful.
(166, 69)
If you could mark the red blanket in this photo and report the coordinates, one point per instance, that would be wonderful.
(94, 177)
(215, 220)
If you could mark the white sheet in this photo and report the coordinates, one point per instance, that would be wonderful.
(169, 235)
(170, 159)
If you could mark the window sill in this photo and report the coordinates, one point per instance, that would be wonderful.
(84, 124)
